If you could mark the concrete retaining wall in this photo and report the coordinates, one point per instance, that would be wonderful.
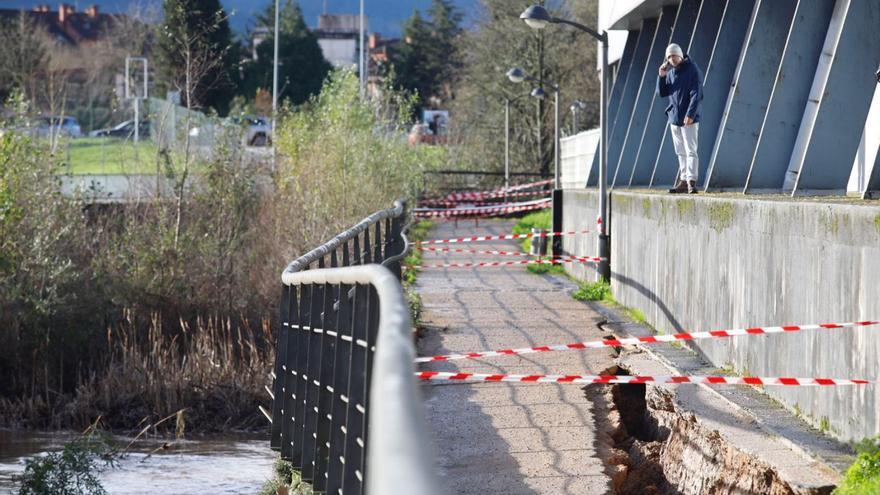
(704, 263)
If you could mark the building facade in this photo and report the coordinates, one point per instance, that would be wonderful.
(338, 38)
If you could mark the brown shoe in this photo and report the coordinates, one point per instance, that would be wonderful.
(692, 187)
(679, 187)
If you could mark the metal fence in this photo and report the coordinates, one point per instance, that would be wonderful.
(346, 409)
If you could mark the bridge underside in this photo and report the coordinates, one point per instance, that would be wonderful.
(789, 96)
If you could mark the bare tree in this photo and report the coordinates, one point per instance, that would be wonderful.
(23, 56)
(197, 75)
(499, 41)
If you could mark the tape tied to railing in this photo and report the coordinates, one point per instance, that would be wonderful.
(505, 237)
(485, 264)
(484, 211)
(451, 203)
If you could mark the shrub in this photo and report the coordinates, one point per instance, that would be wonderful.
(143, 308)
(593, 291)
(864, 474)
(862, 477)
(73, 471)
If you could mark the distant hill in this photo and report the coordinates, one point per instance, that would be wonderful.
(384, 16)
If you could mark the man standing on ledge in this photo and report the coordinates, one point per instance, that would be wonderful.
(681, 80)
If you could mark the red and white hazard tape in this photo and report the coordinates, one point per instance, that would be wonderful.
(451, 203)
(473, 251)
(653, 339)
(480, 264)
(529, 185)
(478, 195)
(505, 237)
(493, 193)
(483, 210)
(638, 379)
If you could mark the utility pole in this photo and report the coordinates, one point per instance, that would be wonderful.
(362, 57)
(275, 88)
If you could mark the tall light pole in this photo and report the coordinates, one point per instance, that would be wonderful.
(575, 108)
(275, 87)
(506, 146)
(517, 75)
(362, 55)
(537, 17)
(507, 102)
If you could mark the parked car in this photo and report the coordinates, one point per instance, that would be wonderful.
(63, 126)
(123, 130)
(258, 130)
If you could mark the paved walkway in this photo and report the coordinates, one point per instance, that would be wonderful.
(508, 438)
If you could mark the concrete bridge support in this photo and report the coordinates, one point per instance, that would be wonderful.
(839, 100)
(719, 75)
(789, 97)
(750, 93)
(873, 187)
(700, 51)
(614, 101)
(655, 127)
(629, 93)
(643, 102)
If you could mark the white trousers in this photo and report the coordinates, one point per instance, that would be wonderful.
(684, 139)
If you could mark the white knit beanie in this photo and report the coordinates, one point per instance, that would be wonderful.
(674, 49)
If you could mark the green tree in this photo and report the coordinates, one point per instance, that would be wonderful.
(301, 64)
(196, 53)
(427, 60)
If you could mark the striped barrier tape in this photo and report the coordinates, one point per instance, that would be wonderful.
(505, 237)
(478, 195)
(638, 379)
(652, 339)
(455, 197)
(451, 203)
(479, 264)
(529, 185)
(483, 210)
(474, 251)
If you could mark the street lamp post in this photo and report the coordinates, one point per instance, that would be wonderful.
(575, 108)
(275, 90)
(517, 75)
(362, 58)
(537, 17)
(507, 102)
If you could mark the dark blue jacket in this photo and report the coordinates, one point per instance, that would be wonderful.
(684, 87)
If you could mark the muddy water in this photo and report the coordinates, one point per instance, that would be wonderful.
(216, 465)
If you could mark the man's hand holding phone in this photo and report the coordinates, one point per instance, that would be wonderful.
(664, 69)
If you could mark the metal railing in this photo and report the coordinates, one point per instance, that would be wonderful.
(346, 410)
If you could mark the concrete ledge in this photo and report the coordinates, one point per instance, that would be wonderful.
(736, 418)
(711, 262)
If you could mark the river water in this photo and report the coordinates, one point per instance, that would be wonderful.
(228, 464)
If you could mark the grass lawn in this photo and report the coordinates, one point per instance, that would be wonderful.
(111, 156)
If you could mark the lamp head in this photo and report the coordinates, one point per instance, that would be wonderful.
(539, 93)
(536, 17)
(516, 75)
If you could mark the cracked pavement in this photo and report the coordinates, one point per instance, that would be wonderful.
(508, 438)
